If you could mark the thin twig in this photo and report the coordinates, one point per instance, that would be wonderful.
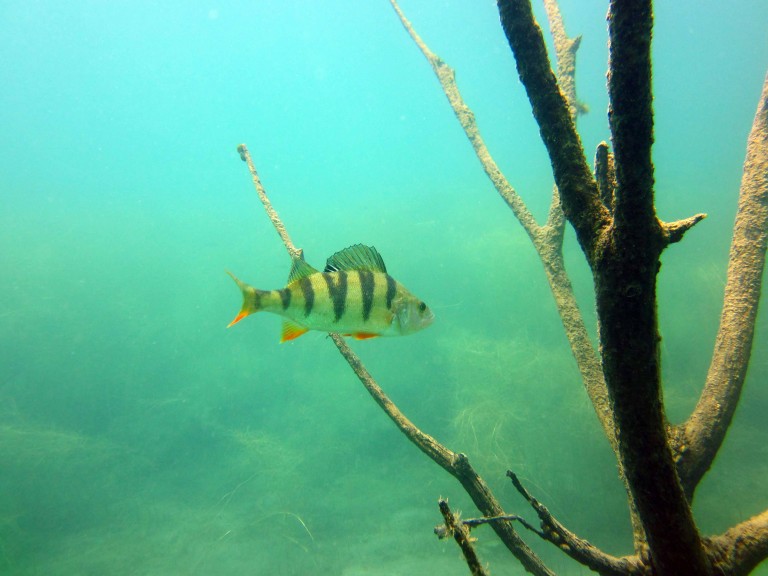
(577, 548)
(245, 156)
(442, 530)
(466, 117)
(455, 464)
(461, 535)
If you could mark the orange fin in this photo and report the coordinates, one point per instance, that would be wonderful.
(292, 331)
(242, 314)
(364, 335)
(249, 300)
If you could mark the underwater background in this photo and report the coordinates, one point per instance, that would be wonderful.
(139, 436)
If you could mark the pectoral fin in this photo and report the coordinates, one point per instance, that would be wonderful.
(291, 331)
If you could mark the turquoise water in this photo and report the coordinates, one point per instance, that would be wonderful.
(139, 436)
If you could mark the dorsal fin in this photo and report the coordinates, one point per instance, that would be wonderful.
(357, 257)
(300, 269)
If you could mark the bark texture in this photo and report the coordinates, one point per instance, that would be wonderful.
(546, 239)
(578, 190)
(623, 251)
(704, 432)
(615, 221)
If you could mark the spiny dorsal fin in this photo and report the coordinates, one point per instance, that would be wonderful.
(357, 257)
(300, 269)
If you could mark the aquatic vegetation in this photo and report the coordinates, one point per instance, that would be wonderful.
(60, 478)
(289, 518)
(267, 452)
(26, 444)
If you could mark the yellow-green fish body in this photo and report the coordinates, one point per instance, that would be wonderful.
(353, 296)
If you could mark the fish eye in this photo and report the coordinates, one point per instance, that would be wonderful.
(422, 306)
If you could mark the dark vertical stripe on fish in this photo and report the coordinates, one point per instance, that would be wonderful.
(391, 289)
(256, 300)
(285, 297)
(366, 287)
(309, 294)
(338, 292)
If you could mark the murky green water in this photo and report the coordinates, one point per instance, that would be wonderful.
(139, 436)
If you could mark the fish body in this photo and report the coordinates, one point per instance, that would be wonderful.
(354, 296)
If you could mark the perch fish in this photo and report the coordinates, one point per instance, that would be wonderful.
(353, 296)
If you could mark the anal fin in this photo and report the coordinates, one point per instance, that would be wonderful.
(363, 335)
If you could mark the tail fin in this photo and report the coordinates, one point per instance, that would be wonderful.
(250, 300)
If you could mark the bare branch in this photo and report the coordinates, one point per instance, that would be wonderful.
(630, 113)
(624, 257)
(245, 156)
(705, 430)
(437, 452)
(455, 528)
(455, 464)
(464, 114)
(577, 548)
(565, 49)
(741, 548)
(577, 187)
(605, 175)
(565, 54)
(674, 231)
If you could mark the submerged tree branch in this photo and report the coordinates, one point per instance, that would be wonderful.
(674, 231)
(740, 549)
(454, 527)
(245, 156)
(447, 78)
(578, 190)
(631, 115)
(565, 48)
(455, 464)
(704, 432)
(623, 253)
(577, 548)
(605, 175)
(547, 239)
